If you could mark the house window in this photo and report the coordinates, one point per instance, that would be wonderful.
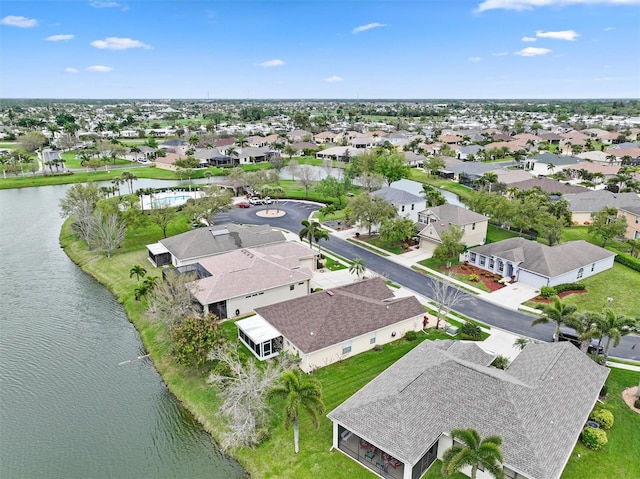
(491, 263)
(291, 286)
(500, 266)
(372, 339)
(580, 273)
(483, 260)
(413, 207)
(346, 347)
(472, 257)
(473, 226)
(403, 208)
(593, 266)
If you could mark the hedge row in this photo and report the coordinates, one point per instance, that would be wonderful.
(549, 291)
(628, 261)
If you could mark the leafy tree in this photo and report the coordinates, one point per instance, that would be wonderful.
(551, 228)
(194, 338)
(433, 196)
(450, 246)
(187, 163)
(634, 246)
(299, 391)
(290, 151)
(32, 141)
(138, 271)
(607, 225)
(331, 187)
(397, 229)
(369, 210)
(370, 180)
(358, 267)
(433, 164)
(393, 166)
(309, 230)
(163, 218)
(277, 162)
(474, 452)
(556, 312)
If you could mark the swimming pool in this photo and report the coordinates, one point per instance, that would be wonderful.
(171, 200)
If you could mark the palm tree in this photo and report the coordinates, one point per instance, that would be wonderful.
(613, 327)
(634, 246)
(489, 178)
(318, 235)
(474, 452)
(299, 391)
(520, 343)
(308, 230)
(556, 312)
(129, 178)
(357, 267)
(116, 182)
(137, 271)
(135, 150)
(208, 175)
(277, 192)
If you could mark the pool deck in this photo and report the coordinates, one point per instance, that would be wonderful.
(168, 198)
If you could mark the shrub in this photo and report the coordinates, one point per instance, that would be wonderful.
(411, 336)
(594, 438)
(470, 330)
(474, 277)
(603, 417)
(547, 291)
(636, 404)
(604, 390)
(628, 261)
(378, 347)
(561, 288)
(500, 362)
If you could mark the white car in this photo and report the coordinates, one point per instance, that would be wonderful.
(254, 200)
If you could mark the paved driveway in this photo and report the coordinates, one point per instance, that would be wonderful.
(512, 295)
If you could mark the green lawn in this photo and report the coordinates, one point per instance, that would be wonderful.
(393, 248)
(575, 233)
(495, 234)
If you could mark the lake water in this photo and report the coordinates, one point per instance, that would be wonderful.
(67, 408)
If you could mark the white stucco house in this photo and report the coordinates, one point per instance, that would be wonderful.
(240, 281)
(331, 325)
(540, 265)
(406, 204)
(400, 423)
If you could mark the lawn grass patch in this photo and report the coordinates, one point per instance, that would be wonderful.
(495, 234)
(393, 248)
(364, 245)
(438, 264)
(333, 265)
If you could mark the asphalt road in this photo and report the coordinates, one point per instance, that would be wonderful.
(474, 307)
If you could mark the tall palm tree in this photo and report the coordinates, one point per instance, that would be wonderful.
(357, 267)
(116, 182)
(318, 235)
(277, 192)
(613, 327)
(474, 452)
(308, 230)
(585, 326)
(129, 178)
(489, 178)
(299, 391)
(556, 312)
(634, 246)
(137, 271)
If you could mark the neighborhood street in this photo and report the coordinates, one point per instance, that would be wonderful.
(474, 307)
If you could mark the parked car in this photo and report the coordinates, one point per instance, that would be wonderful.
(254, 200)
(243, 204)
(266, 200)
(568, 334)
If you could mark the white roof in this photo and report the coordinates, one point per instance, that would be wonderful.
(157, 248)
(257, 328)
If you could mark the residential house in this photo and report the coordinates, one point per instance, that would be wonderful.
(168, 161)
(340, 153)
(582, 205)
(364, 142)
(240, 281)
(299, 135)
(552, 138)
(406, 204)
(632, 215)
(545, 164)
(548, 185)
(539, 265)
(327, 137)
(435, 220)
(195, 245)
(401, 422)
(249, 154)
(469, 153)
(332, 325)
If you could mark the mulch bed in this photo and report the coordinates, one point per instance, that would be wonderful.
(490, 283)
(564, 294)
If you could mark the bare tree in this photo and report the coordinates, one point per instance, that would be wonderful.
(243, 387)
(306, 175)
(79, 203)
(446, 296)
(107, 232)
(171, 300)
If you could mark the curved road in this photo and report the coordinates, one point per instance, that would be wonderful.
(474, 307)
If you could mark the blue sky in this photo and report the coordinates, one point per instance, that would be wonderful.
(261, 49)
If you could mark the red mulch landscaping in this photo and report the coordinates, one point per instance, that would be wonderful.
(564, 294)
(489, 282)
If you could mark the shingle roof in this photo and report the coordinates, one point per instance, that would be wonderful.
(325, 318)
(456, 215)
(246, 271)
(557, 160)
(398, 197)
(547, 185)
(538, 406)
(591, 201)
(203, 242)
(549, 261)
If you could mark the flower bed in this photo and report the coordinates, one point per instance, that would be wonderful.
(490, 280)
(564, 294)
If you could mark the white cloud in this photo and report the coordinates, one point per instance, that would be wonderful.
(608, 29)
(334, 79)
(368, 26)
(117, 43)
(568, 35)
(474, 59)
(70, 70)
(532, 52)
(21, 22)
(529, 39)
(531, 4)
(500, 54)
(98, 4)
(58, 38)
(99, 69)
(276, 62)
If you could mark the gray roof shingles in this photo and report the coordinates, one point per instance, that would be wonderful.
(538, 406)
(323, 319)
(398, 197)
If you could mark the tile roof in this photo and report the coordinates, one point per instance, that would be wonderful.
(219, 239)
(538, 406)
(322, 319)
(549, 261)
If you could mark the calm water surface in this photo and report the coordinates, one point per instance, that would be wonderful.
(67, 408)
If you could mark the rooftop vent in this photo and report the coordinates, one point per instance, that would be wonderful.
(330, 293)
(221, 232)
